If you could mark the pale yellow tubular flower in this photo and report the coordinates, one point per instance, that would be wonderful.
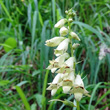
(78, 88)
(74, 36)
(70, 77)
(62, 58)
(62, 47)
(69, 81)
(58, 61)
(54, 85)
(60, 23)
(54, 64)
(78, 81)
(64, 69)
(64, 75)
(63, 31)
(70, 62)
(66, 85)
(67, 67)
(54, 41)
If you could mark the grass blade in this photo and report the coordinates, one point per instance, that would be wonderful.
(93, 93)
(20, 92)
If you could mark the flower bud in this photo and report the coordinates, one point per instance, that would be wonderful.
(74, 36)
(63, 31)
(60, 23)
(70, 19)
(54, 85)
(66, 12)
(75, 45)
(54, 41)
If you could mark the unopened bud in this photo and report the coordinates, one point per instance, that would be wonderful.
(60, 23)
(54, 41)
(66, 12)
(70, 19)
(63, 31)
(75, 45)
(74, 36)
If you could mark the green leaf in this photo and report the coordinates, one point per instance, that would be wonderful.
(4, 82)
(90, 29)
(36, 72)
(93, 94)
(40, 19)
(39, 99)
(10, 44)
(66, 102)
(22, 83)
(22, 95)
(33, 106)
(102, 97)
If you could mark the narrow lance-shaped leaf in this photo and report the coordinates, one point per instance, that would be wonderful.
(66, 102)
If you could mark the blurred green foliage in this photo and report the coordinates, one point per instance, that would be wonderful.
(23, 74)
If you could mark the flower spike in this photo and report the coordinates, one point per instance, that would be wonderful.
(64, 64)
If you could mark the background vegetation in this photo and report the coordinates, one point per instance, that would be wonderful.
(24, 27)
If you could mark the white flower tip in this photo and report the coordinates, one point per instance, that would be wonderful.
(56, 79)
(49, 67)
(53, 70)
(46, 44)
(79, 81)
(56, 25)
(53, 92)
(78, 96)
(66, 89)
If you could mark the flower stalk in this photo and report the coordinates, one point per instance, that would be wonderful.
(78, 107)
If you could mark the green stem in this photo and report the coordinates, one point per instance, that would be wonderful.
(78, 107)
(44, 91)
(72, 52)
(70, 39)
(71, 48)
